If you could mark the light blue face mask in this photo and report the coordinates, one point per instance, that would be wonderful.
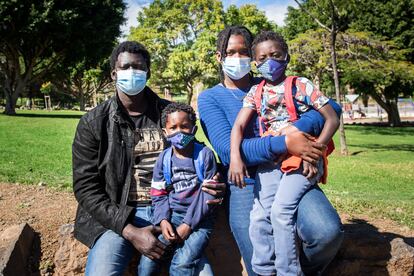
(236, 68)
(131, 81)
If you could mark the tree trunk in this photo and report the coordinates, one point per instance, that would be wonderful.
(317, 81)
(344, 147)
(12, 96)
(30, 95)
(393, 114)
(78, 84)
(94, 98)
(390, 107)
(81, 101)
(10, 103)
(190, 92)
(365, 99)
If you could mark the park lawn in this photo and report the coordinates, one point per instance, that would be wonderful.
(35, 146)
(376, 178)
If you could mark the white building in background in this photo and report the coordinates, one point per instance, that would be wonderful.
(354, 108)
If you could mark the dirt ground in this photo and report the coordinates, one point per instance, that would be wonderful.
(45, 210)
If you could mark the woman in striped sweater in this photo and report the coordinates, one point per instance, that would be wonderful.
(318, 224)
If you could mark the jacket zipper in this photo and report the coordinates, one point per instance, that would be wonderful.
(121, 167)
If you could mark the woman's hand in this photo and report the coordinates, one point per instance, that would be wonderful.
(309, 170)
(237, 172)
(302, 145)
(214, 187)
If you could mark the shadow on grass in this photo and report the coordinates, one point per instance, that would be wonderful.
(383, 130)
(379, 147)
(358, 152)
(53, 115)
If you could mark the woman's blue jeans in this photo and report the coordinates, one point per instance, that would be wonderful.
(318, 226)
(240, 203)
(111, 253)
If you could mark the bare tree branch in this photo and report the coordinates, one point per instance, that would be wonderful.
(320, 8)
(335, 7)
(313, 17)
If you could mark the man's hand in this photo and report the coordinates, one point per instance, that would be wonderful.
(145, 240)
(183, 231)
(302, 145)
(309, 170)
(215, 188)
(168, 231)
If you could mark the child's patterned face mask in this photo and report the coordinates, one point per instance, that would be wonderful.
(273, 69)
(181, 139)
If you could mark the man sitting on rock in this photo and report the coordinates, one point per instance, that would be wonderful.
(114, 150)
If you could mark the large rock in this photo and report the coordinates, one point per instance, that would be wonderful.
(402, 258)
(15, 248)
(365, 251)
(70, 258)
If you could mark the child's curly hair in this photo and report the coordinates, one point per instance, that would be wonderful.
(269, 35)
(174, 107)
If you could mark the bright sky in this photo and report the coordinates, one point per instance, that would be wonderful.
(275, 9)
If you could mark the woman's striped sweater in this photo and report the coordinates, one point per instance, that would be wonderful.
(218, 108)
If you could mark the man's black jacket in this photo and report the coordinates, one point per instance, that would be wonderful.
(102, 154)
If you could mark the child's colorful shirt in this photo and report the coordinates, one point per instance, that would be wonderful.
(273, 108)
(184, 195)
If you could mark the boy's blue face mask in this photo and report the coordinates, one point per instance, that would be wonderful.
(131, 81)
(180, 139)
(273, 69)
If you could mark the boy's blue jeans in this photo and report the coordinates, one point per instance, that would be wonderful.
(317, 224)
(111, 253)
(273, 220)
(185, 256)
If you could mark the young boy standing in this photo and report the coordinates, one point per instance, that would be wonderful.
(278, 100)
(179, 203)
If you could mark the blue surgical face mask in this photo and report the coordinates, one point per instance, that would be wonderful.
(273, 69)
(181, 139)
(131, 81)
(236, 68)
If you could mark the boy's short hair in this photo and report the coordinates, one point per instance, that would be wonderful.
(269, 35)
(132, 47)
(174, 107)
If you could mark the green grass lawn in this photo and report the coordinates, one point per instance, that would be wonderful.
(376, 178)
(35, 146)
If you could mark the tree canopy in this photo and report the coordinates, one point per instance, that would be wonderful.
(181, 37)
(367, 46)
(37, 36)
(375, 47)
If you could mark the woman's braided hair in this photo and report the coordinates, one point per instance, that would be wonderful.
(223, 41)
